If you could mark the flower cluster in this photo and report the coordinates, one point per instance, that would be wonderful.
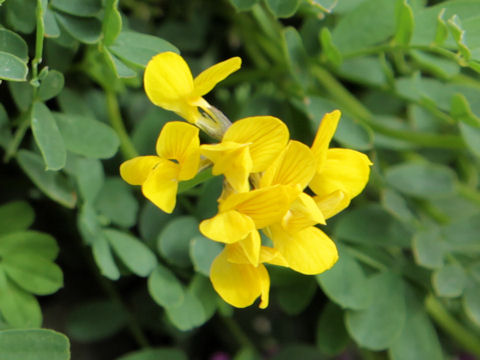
(266, 175)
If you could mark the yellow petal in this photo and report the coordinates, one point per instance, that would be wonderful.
(344, 169)
(295, 165)
(245, 251)
(135, 171)
(231, 159)
(303, 213)
(325, 132)
(179, 141)
(331, 204)
(161, 185)
(309, 251)
(168, 81)
(227, 227)
(266, 136)
(272, 256)
(264, 206)
(210, 77)
(239, 284)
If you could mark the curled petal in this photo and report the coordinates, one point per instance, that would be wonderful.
(135, 171)
(308, 251)
(227, 227)
(344, 169)
(331, 204)
(168, 81)
(210, 77)
(294, 166)
(264, 206)
(231, 159)
(180, 142)
(325, 132)
(239, 284)
(161, 185)
(266, 136)
(303, 213)
(245, 251)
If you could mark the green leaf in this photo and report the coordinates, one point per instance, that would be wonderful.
(207, 201)
(34, 242)
(51, 85)
(353, 134)
(428, 249)
(121, 70)
(48, 137)
(202, 288)
(174, 241)
(88, 137)
(397, 206)
(15, 216)
(346, 284)
(137, 48)
(96, 320)
(53, 184)
(438, 66)
(78, 7)
(332, 336)
(330, 51)
(372, 225)
(12, 43)
(422, 179)
(372, 23)
(51, 26)
(378, 326)
(297, 351)
(418, 339)
(449, 281)
(151, 221)
(112, 22)
(459, 36)
(19, 308)
(243, 5)
(13, 68)
(365, 70)
(188, 314)
(22, 93)
(117, 202)
(404, 23)
(460, 110)
(103, 256)
(35, 344)
(5, 133)
(165, 288)
(296, 55)
(132, 251)
(283, 8)
(462, 235)
(20, 14)
(33, 273)
(86, 30)
(441, 30)
(293, 298)
(155, 354)
(471, 136)
(471, 303)
(88, 174)
(202, 253)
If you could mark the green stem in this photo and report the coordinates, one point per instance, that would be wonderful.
(450, 325)
(367, 260)
(18, 136)
(126, 145)
(356, 108)
(38, 40)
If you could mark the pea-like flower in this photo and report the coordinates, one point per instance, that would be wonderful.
(169, 84)
(178, 158)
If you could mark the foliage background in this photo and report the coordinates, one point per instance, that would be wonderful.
(84, 254)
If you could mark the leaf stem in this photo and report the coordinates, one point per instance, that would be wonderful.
(356, 108)
(115, 117)
(18, 136)
(38, 40)
(450, 325)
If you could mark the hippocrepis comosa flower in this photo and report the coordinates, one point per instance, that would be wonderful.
(265, 181)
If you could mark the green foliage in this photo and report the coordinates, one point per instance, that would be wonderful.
(405, 75)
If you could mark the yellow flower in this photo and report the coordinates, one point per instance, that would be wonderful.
(169, 84)
(239, 282)
(248, 146)
(342, 170)
(178, 150)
